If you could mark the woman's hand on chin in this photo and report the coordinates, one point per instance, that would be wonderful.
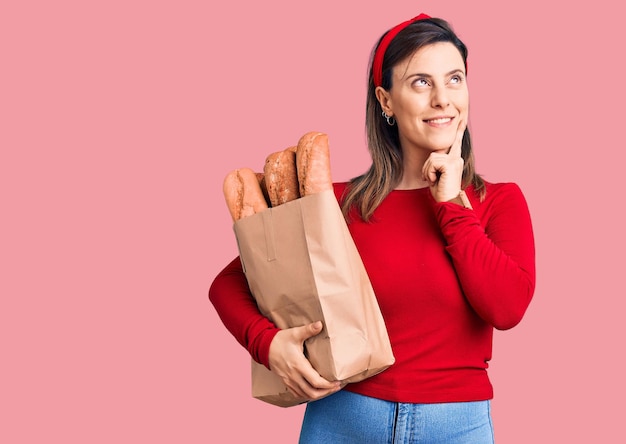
(444, 171)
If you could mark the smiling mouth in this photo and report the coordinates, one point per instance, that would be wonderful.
(439, 121)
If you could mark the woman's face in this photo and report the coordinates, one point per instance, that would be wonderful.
(428, 97)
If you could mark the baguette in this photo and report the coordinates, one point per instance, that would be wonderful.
(281, 178)
(313, 164)
(261, 178)
(243, 193)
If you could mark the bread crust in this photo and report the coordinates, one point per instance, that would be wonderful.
(281, 177)
(296, 171)
(313, 163)
(262, 184)
(243, 193)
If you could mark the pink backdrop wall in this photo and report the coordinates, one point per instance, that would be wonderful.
(119, 120)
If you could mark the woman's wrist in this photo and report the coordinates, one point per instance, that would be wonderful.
(462, 200)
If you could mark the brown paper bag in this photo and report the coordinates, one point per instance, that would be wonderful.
(302, 266)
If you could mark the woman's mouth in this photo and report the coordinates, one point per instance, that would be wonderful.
(438, 121)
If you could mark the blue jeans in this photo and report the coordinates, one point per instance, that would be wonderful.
(350, 418)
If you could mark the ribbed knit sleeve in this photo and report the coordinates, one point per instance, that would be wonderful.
(493, 252)
(230, 295)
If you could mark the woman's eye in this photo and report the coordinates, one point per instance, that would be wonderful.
(456, 79)
(420, 82)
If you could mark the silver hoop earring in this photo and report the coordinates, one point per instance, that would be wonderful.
(390, 120)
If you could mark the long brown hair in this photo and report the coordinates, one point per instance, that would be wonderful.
(367, 191)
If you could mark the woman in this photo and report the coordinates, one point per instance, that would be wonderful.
(450, 257)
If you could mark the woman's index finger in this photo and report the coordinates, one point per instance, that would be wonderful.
(455, 149)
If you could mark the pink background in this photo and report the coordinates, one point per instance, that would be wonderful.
(119, 121)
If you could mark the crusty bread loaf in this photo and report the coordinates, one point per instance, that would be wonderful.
(261, 178)
(243, 193)
(296, 171)
(313, 164)
(281, 178)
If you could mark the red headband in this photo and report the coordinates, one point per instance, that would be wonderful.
(377, 65)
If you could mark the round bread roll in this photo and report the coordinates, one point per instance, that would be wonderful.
(243, 193)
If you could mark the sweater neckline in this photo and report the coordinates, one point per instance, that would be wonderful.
(410, 191)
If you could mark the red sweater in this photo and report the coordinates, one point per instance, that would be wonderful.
(444, 277)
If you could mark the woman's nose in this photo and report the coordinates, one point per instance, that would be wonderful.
(440, 98)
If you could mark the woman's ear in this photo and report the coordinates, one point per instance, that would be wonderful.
(384, 98)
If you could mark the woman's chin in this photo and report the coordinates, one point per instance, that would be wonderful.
(440, 147)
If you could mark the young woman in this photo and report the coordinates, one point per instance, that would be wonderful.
(450, 257)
